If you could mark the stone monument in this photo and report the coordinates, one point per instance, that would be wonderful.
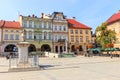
(23, 62)
(23, 55)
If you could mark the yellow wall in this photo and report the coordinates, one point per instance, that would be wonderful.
(10, 31)
(84, 43)
(115, 26)
(78, 35)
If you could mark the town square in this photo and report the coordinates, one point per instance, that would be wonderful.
(59, 40)
(77, 68)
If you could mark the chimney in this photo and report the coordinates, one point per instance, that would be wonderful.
(33, 15)
(74, 17)
(28, 15)
(42, 15)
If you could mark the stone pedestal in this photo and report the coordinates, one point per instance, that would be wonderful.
(23, 55)
(23, 62)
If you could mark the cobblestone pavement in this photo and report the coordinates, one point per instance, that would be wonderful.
(76, 68)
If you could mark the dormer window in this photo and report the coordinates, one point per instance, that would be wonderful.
(6, 30)
(11, 30)
(59, 18)
(17, 31)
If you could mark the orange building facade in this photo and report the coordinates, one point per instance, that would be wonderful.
(79, 36)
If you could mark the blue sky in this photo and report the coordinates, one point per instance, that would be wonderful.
(89, 12)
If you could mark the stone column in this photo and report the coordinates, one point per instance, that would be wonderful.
(63, 48)
(58, 49)
(23, 54)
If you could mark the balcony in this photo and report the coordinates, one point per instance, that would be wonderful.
(61, 40)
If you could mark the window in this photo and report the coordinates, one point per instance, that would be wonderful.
(45, 25)
(64, 28)
(45, 36)
(60, 28)
(30, 24)
(77, 39)
(6, 37)
(36, 37)
(76, 31)
(56, 38)
(72, 39)
(81, 38)
(81, 31)
(64, 37)
(25, 24)
(30, 35)
(60, 18)
(55, 28)
(49, 25)
(40, 25)
(6, 30)
(11, 30)
(17, 31)
(87, 39)
(11, 37)
(50, 37)
(60, 37)
(86, 31)
(71, 31)
(17, 37)
(35, 25)
(40, 36)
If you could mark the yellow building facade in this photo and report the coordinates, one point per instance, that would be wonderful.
(79, 36)
(113, 23)
(12, 33)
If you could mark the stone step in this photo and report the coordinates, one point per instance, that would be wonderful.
(24, 69)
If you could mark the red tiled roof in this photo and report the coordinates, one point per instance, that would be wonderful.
(72, 23)
(114, 18)
(10, 24)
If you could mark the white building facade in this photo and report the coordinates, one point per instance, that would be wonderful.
(60, 32)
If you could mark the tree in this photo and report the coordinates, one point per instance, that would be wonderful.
(105, 36)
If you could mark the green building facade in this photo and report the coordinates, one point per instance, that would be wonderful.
(38, 32)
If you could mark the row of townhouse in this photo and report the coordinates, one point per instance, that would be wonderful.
(53, 33)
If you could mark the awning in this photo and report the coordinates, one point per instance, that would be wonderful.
(112, 49)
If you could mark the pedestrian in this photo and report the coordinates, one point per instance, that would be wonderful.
(111, 56)
(8, 56)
